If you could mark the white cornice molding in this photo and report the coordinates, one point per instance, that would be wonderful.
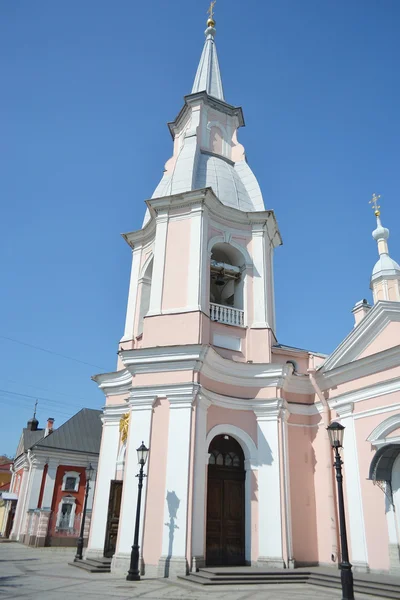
(181, 393)
(112, 384)
(366, 393)
(368, 365)
(308, 410)
(112, 413)
(163, 358)
(298, 383)
(215, 207)
(260, 406)
(363, 334)
(378, 436)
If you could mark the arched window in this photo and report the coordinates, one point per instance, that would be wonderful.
(226, 278)
(145, 295)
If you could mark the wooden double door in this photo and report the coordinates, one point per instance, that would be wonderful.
(114, 508)
(225, 535)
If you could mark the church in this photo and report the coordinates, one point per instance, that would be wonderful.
(240, 467)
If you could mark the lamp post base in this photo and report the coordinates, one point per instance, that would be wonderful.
(79, 549)
(133, 573)
(346, 577)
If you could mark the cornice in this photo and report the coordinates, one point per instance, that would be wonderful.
(112, 414)
(363, 334)
(366, 393)
(204, 98)
(114, 383)
(368, 365)
(179, 395)
(162, 358)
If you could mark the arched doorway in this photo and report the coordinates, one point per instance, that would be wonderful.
(225, 533)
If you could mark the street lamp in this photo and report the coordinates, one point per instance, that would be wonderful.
(79, 548)
(133, 573)
(336, 431)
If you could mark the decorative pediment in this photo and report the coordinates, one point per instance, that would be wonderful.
(355, 345)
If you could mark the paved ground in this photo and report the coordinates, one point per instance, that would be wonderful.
(43, 574)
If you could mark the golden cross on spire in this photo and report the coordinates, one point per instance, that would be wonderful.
(374, 201)
(210, 12)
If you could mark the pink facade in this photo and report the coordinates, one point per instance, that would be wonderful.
(236, 422)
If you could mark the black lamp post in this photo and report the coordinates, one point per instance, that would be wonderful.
(336, 431)
(133, 573)
(79, 548)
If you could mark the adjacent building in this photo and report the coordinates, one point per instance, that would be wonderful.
(240, 467)
(44, 505)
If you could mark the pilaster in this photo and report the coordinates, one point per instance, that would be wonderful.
(269, 485)
(105, 473)
(173, 560)
(139, 431)
(132, 296)
(157, 281)
(356, 524)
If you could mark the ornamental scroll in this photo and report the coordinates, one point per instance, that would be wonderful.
(124, 427)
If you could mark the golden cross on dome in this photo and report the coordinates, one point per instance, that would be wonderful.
(210, 11)
(374, 201)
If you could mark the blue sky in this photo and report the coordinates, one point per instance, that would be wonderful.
(87, 89)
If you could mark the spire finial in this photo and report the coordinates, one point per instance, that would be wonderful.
(210, 11)
(34, 412)
(374, 201)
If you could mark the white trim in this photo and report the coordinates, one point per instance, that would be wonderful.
(260, 299)
(76, 476)
(225, 238)
(356, 523)
(251, 461)
(369, 365)
(363, 334)
(378, 435)
(159, 263)
(115, 383)
(196, 257)
(371, 391)
(132, 295)
(69, 500)
(377, 411)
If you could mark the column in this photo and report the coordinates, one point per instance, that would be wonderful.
(132, 297)
(260, 299)
(19, 511)
(269, 488)
(49, 484)
(157, 280)
(139, 430)
(355, 520)
(173, 560)
(105, 473)
(196, 258)
(199, 484)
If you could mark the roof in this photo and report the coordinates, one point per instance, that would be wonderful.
(81, 433)
(295, 349)
(29, 438)
(208, 76)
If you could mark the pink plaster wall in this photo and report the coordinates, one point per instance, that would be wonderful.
(303, 502)
(388, 338)
(228, 390)
(157, 469)
(176, 265)
(322, 470)
(244, 419)
(372, 497)
(362, 382)
(172, 330)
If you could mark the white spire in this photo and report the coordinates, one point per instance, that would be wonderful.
(385, 280)
(208, 76)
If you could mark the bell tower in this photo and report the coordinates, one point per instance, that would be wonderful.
(202, 266)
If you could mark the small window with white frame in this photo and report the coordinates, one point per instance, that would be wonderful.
(70, 481)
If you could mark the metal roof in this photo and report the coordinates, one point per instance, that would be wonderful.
(382, 463)
(81, 433)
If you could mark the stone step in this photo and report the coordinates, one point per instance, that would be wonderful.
(93, 565)
(377, 585)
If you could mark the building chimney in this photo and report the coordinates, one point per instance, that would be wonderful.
(32, 424)
(360, 311)
(49, 426)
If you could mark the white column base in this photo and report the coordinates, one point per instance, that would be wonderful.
(271, 562)
(173, 566)
(120, 563)
(394, 559)
(360, 567)
(198, 562)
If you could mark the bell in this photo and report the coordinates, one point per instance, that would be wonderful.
(220, 279)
